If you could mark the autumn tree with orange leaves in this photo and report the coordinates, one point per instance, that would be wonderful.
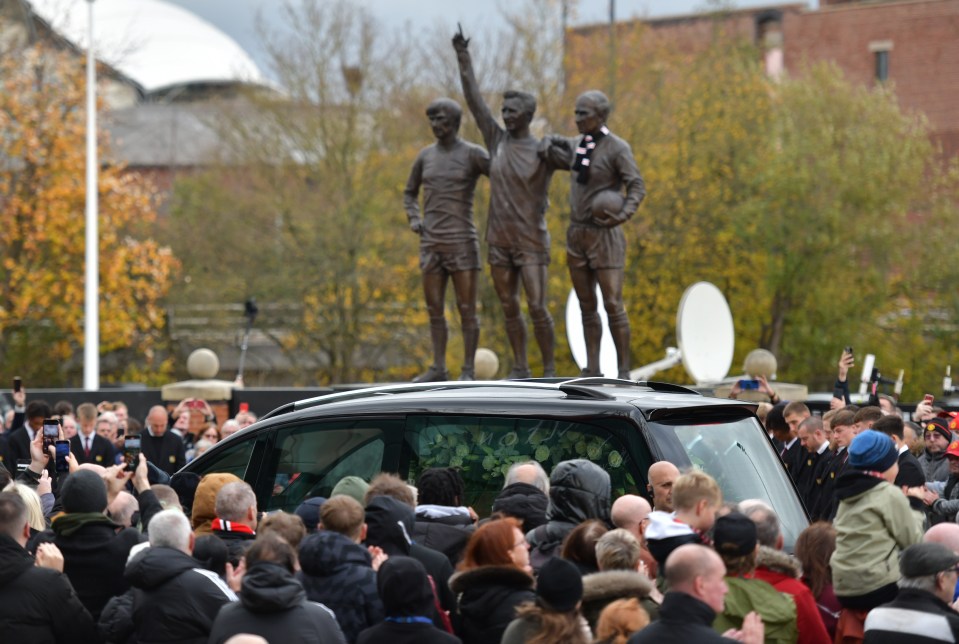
(42, 197)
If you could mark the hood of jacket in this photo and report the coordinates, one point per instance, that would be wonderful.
(389, 525)
(155, 566)
(523, 501)
(853, 483)
(324, 553)
(777, 561)
(745, 595)
(204, 501)
(481, 590)
(664, 534)
(613, 584)
(578, 490)
(446, 514)
(14, 560)
(270, 588)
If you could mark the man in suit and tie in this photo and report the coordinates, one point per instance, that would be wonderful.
(813, 438)
(783, 421)
(88, 446)
(161, 447)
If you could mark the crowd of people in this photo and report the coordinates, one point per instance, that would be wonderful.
(110, 552)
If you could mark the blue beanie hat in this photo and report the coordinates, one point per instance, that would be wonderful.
(872, 450)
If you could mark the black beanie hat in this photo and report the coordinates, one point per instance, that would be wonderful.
(84, 491)
(404, 588)
(309, 511)
(734, 535)
(559, 585)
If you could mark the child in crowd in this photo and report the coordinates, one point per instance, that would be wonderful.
(696, 498)
(873, 524)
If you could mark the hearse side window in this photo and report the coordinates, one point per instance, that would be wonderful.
(308, 460)
(483, 448)
(739, 456)
(232, 460)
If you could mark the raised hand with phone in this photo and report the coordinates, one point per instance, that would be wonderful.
(840, 392)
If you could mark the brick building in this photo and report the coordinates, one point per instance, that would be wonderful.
(913, 44)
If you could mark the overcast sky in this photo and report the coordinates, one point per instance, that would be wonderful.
(237, 17)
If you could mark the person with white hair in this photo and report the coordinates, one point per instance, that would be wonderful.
(525, 494)
(34, 509)
(176, 599)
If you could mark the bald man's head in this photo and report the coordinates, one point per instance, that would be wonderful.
(945, 533)
(629, 512)
(698, 571)
(244, 638)
(661, 476)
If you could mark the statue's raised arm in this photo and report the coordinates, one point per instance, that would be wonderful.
(471, 90)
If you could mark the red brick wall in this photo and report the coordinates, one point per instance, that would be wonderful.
(923, 61)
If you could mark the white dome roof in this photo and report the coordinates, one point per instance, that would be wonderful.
(154, 43)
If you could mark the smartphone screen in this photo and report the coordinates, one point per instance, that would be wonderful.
(928, 399)
(747, 385)
(131, 452)
(51, 432)
(23, 464)
(17, 383)
(63, 450)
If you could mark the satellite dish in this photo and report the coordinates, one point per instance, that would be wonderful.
(704, 331)
(577, 341)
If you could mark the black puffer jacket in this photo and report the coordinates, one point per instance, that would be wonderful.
(38, 605)
(273, 605)
(174, 599)
(523, 501)
(337, 573)
(443, 529)
(578, 490)
(95, 552)
(487, 598)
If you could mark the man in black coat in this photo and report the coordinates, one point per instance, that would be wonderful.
(921, 613)
(697, 588)
(163, 448)
(389, 523)
(173, 598)
(843, 431)
(910, 471)
(37, 602)
(792, 453)
(95, 549)
(18, 441)
(816, 447)
(236, 519)
(273, 604)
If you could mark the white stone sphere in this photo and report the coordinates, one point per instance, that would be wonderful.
(203, 364)
(486, 364)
